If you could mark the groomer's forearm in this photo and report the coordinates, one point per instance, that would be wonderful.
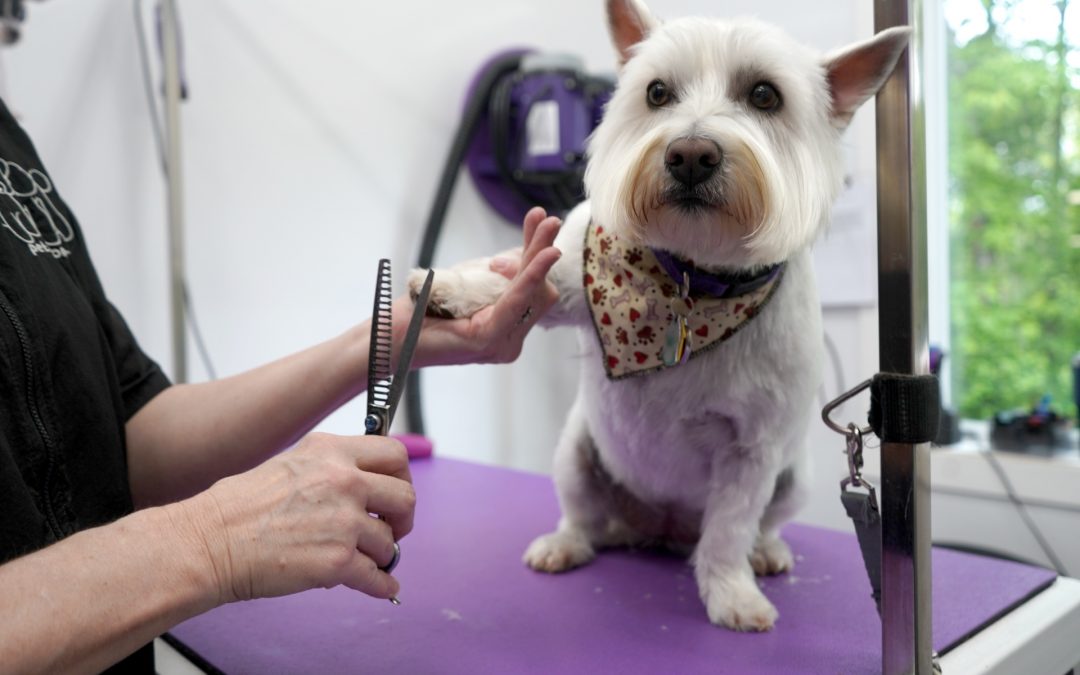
(191, 435)
(97, 596)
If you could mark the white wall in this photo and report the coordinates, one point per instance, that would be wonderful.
(313, 141)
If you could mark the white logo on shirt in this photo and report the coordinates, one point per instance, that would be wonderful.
(28, 212)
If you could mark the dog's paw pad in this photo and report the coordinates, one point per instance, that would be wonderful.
(558, 552)
(740, 607)
(771, 556)
(441, 301)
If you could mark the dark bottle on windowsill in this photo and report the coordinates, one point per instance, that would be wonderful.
(1040, 431)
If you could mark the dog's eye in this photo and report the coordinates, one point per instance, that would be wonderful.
(765, 97)
(657, 94)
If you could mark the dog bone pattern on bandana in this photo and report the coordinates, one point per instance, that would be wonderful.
(633, 302)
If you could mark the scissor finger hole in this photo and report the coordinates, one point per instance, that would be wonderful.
(389, 567)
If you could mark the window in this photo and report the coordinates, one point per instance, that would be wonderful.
(1013, 203)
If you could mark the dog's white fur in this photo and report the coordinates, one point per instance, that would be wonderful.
(710, 452)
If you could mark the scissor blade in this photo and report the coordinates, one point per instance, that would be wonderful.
(409, 345)
(381, 339)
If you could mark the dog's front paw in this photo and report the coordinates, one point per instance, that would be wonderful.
(771, 555)
(459, 291)
(738, 604)
(439, 301)
(559, 551)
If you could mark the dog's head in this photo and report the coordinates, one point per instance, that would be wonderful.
(722, 140)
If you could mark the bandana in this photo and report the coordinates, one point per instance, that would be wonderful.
(645, 320)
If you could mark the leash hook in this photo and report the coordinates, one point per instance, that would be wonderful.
(853, 434)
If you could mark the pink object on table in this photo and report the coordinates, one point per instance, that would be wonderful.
(419, 447)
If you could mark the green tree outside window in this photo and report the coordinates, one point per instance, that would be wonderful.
(1014, 206)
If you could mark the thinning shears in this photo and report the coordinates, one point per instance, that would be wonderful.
(385, 388)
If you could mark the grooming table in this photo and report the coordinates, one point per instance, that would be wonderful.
(471, 606)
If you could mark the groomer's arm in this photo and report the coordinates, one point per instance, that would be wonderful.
(190, 435)
(88, 601)
(301, 520)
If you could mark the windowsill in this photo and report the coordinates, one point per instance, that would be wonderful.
(975, 437)
(1046, 480)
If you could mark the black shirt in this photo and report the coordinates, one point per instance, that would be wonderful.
(71, 374)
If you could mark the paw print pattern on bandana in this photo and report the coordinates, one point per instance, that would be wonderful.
(631, 299)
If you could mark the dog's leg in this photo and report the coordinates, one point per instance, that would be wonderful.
(771, 554)
(568, 546)
(721, 565)
(588, 520)
(466, 288)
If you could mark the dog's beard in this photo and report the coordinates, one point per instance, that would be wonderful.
(712, 222)
(692, 201)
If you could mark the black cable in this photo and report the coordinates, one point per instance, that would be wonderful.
(838, 367)
(159, 140)
(466, 129)
(1021, 509)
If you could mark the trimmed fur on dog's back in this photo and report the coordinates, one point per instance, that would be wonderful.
(720, 146)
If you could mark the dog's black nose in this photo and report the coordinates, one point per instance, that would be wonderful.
(692, 161)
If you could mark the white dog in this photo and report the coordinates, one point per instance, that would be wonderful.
(712, 173)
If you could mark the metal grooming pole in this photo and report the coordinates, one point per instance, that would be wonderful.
(175, 188)
(902, 297)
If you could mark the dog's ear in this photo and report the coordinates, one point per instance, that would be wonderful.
(629, 22)
(857, 72)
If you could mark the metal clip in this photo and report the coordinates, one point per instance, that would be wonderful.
(854, 453)
(853, 434)
(840, 400)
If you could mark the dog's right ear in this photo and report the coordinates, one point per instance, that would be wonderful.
(629, 22)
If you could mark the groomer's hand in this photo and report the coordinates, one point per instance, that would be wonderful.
(495, 333)
(303, 519)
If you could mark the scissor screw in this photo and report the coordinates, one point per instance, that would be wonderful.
(372, 423)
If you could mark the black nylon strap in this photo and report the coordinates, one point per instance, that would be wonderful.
(863, 511)
(904, 408)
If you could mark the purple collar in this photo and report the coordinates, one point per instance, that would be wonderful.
(714, 285)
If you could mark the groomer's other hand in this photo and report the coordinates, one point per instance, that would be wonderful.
(303, 519)
(509, 263)
(495, 333)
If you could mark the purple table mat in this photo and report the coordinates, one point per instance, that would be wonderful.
(471, 606)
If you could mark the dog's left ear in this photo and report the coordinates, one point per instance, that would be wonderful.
(857, 72)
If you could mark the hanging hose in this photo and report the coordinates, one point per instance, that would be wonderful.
(474, 111)
(502, 99)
